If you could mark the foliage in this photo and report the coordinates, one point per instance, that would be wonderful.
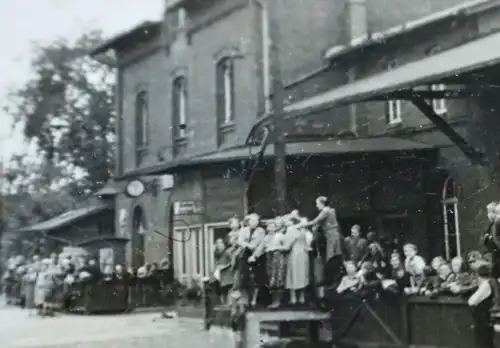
(67, 110)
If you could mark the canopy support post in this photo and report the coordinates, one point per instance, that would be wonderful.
(476, 156)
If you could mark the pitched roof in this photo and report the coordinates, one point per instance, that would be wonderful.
(146, 28)
(359, 43)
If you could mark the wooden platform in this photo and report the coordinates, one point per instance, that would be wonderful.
(254, 318)
(286, 314)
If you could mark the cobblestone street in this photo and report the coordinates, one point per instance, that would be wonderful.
(20, 329)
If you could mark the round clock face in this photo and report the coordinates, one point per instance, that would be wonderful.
(135, 188)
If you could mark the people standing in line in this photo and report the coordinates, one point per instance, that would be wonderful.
(328, 228)
(481, 303)
(355, 245)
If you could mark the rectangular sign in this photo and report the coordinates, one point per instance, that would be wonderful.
(188, 207)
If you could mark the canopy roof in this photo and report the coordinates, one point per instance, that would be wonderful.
(339, 146)
(68, 218)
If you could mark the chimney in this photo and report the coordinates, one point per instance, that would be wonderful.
(356, 20)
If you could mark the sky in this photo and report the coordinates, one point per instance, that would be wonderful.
(24, 22)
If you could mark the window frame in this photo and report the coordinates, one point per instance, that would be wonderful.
(180, 106)
(225, 69)
(141, 124)
(439, 105)
(394, 111)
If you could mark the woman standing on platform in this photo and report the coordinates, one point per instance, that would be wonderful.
(253, 272)
(328, 229)
(297, 269)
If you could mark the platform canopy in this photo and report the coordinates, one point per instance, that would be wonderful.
(304, 148)
(68, 218)
(443, 67)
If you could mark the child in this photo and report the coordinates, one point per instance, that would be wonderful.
(415, 266)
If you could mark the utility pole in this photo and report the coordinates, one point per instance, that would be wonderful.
(278, 94)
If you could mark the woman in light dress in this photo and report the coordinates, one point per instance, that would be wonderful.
(297, 270)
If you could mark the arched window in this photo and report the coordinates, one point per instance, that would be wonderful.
(141, 124)
(450, 219)
(179, 107)
(225, 91)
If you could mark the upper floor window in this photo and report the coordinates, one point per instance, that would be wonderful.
(439, 105)
(141, 123)
(179, 94)
(225, 91)
(393, 106)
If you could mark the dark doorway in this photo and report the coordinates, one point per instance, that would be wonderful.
(138, 238)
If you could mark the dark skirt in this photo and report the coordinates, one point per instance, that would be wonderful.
(276, 269)
(252, 274)
(483, 327)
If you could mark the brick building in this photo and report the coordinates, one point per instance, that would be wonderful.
(190, 88)
(433, 194)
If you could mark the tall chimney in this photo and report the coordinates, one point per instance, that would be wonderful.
(356, 20)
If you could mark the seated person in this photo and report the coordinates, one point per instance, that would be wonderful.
(432, 281)
(376, 256)
(398, 278)
(371, 279)
(442, 281)
(462, 281)
(351, 282)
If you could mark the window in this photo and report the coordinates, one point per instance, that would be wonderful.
(393, 106)
(141, 124)
(439, 105)
(180, 107)
(225, 91)
(450, 219)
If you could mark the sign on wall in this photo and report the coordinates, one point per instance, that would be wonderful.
(188, 208)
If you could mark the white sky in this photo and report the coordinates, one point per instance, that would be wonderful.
(23, 22)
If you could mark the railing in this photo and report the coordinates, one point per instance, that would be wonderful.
(401, 322)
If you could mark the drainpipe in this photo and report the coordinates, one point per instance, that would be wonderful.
(266, 61)
(356, 28)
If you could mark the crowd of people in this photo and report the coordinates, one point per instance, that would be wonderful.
(49, 282)
(290, 255)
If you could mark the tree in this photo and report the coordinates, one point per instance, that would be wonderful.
(67, 110)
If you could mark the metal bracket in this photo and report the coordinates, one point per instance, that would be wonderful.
(476, 156)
